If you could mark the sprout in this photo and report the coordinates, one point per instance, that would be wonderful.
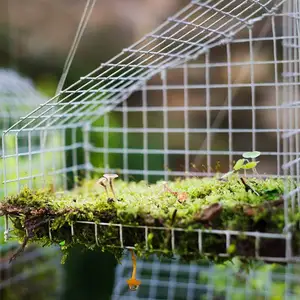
(133, 283)
(252, 154)
(239, 164)
(244, 164)
(110, 178)
(250, 165)
(227, 174)
(102, 181)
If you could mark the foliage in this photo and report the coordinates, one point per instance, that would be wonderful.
(244, 163)
(263, 281)
(210, 203)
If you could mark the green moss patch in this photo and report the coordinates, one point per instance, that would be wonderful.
(209, 203)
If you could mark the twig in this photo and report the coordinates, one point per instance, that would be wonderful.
(173, 217)
(248, 187)
(20, 250)
(30, 234)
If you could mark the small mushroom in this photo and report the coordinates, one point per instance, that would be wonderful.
(133, 283)
(181, 196)
(102, 181)
(110, 178)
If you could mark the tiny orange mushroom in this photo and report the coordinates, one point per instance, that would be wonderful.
(181, 196)
(133, 283)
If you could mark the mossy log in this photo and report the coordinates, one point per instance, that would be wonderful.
(250, 205)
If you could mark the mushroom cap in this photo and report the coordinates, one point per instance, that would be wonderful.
(110, 176)
(133, 284)
(102, 180)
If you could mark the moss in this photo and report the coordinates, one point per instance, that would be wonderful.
(210, 203)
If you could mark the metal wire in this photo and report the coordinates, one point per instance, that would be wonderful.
(162, 279)
(215, 80)
(152, 54)
(17, 96)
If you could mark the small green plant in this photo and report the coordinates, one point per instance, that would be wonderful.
(244, 164)
(62, 243)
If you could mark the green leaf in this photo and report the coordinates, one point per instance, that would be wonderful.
(250, 165)
(253, 154)
(62, 243)
(239, 164)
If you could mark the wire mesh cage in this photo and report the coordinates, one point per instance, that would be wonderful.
(165, 279)
(214, 81)
(18, 96)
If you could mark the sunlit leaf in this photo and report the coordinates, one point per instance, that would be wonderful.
(253, 154)
(250, 165)
(62, 243)
(239, 164)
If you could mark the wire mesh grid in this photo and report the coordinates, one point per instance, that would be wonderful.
(18, 96)
(183, 96)
(171, 280)
(215, 80)
(238, 96)
(228, 237)
(196, 28)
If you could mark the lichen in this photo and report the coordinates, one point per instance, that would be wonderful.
(209, 203)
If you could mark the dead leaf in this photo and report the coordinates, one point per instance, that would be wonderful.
(268, 205)
(209, 213)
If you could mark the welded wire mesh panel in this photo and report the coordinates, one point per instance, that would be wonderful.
(217, 79)
(18, 96)
(32, 158)
(236, 97)
(197, 27)
(38, 270)
(191, 117)
(291, 75)
(175, 281)
(30, 161)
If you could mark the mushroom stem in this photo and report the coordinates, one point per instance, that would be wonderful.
(102, 181)
(111, 187)
(133, 258)
(133, 283)
(110, 178)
